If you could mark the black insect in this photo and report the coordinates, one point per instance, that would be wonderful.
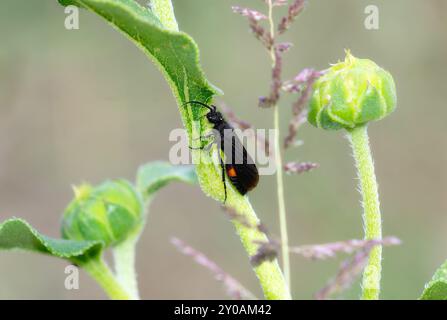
(239, 166)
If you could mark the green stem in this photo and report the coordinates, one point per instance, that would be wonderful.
(99, 271)
(124, 257)
(281, 201)
(279, 173)
(269, 273)
(371, 209)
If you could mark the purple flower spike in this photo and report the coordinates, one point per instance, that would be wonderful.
(294, 10)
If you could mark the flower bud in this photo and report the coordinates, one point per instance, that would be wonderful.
(109, 212)
(352, 93)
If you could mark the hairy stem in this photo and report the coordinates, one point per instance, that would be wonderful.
(99, 271)
(269, 274)
(371, 209)
(279, 175)
(124, 257)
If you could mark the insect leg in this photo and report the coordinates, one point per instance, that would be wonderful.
(207, 136)
(222, 165)
(199, 148)
(207, 146)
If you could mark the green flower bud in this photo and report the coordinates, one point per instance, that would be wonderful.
(352, 93)
(109, 212)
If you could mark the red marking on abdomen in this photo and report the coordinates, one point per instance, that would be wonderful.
(231, 172)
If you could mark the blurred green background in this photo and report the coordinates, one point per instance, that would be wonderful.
(87, 105)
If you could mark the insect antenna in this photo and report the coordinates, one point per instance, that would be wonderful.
(212, 108)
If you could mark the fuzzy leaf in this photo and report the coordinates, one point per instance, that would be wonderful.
(436, 289)
(155, 175)
(154, 30)
(18, 234)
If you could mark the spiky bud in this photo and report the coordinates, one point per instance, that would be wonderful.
(352, 93)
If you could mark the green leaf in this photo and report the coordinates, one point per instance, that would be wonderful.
(176, 54)
(18, 234)
(436, 289)
(155, 175)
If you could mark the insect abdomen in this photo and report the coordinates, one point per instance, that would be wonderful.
(244, 177)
